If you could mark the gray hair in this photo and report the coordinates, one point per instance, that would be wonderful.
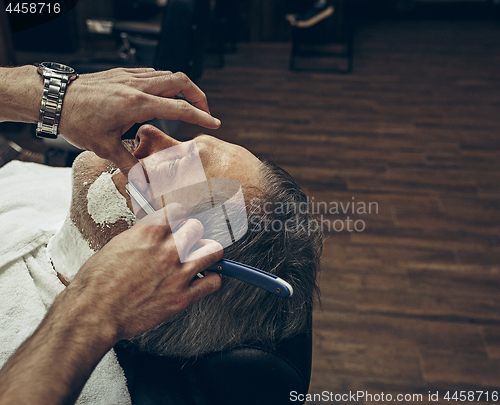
(240, 313)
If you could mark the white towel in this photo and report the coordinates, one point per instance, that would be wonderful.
(34, 201)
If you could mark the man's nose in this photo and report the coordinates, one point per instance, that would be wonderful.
(150, 139)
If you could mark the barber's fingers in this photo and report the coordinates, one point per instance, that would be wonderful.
(176, 213)
(137, 71)
(157, 89)
(168, 84)
(171, 109)
(188, 234)
(171, 215)
(204, 248)
(209, 253)
(200, 288)
(164, 83)
(154, 73)
(156, 218)
(182, 84)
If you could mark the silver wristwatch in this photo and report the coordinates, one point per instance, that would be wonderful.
(56, 78)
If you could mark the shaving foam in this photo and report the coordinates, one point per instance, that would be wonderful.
(69, 250)
(105, 204)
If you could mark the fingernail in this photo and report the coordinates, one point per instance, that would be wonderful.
(217, 121)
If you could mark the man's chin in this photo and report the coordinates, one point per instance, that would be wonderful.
(99, 210)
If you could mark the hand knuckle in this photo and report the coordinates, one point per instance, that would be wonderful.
(183, 109)
(134, 98)
(181, 77)
(119, 72)
(170, 256)
(181, 302)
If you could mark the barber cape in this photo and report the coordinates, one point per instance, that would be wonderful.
(34, 201)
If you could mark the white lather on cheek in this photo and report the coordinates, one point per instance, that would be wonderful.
(105, 204)
(69, 250)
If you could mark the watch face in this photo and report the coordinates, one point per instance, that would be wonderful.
(58, 67)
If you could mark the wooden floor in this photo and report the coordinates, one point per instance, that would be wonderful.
(412, 303)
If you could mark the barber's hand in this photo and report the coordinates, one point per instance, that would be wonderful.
(133, 283)
(137, 281)
(100, 107)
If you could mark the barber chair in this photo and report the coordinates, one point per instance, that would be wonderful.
(175, 43)
(245, 375)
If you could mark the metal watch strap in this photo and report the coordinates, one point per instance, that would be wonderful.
(54, 89)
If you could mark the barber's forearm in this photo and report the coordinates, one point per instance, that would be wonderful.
(20, 94)
(53, 365)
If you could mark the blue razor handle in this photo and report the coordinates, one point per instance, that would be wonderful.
(254, 276)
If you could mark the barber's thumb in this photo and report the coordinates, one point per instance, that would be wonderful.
(123, 159)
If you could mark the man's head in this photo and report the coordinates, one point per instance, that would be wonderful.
(237, 313)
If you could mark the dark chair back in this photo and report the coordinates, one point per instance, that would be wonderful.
(182, 38)
(246, 375)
